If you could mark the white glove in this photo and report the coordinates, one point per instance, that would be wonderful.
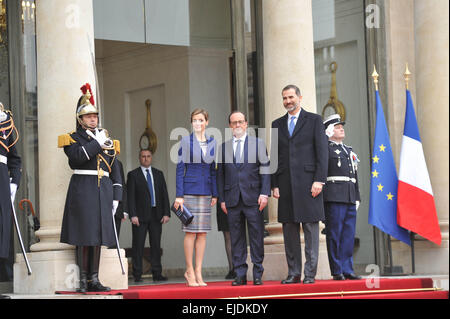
(3, 116)
(357, 204)
(13, 188)
(125, 215)
(114, 207)
(100, 137)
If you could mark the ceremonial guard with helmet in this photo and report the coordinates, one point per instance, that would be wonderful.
(10, 173)
(341, 198)
(94, 192)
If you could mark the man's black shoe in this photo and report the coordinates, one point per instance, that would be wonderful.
(83, 284)
(257, 282)
(159, 278)
(309, 281)
(94, 285)
(339, 277)
(291, 280)
(231, 275)
(352, 276)
(239, 281)
(137, 279)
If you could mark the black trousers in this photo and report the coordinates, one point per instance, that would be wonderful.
(6, 264)
(154, 230)
(238, 217)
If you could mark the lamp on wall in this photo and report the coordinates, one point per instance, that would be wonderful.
(28, 16)
(28, 10)
(2, 21)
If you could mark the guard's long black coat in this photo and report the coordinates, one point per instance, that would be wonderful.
(11, 170)
(302, 160)
(88, 219)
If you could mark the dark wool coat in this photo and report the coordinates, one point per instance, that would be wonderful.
(302, 159)
(11, 170)
(88, 219)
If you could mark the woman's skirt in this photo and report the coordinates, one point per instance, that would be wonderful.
(200, 207)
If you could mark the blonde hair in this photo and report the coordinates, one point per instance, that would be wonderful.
(199, 111)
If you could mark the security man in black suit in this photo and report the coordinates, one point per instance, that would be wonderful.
(149, 209)
(341, 198)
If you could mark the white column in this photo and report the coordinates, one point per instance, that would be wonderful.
(64, 64)
(432, 108)
(288, 59)
(432, 101)
(64, 29)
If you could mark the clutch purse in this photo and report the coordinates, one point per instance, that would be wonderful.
(185, 216)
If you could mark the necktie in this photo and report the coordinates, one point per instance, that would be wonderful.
(292, 125)
(150, 188)
(237, 154)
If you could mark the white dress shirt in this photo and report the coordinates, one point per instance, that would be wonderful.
(297, 115)
(242, 139)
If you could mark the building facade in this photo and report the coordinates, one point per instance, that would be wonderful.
(221, 55)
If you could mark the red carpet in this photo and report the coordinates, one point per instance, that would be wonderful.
(407, 288)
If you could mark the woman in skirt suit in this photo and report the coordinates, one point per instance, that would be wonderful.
(196, 189)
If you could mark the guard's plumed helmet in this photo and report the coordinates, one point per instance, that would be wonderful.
(86, 103)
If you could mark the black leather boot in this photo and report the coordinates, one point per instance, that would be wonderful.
(82, 256)
(94, 263)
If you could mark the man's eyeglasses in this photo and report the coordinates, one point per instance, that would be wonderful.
(234, 123)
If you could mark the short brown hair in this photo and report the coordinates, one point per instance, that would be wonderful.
(199, 111)
(145, 150)
(293, 87)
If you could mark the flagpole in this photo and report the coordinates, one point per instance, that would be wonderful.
(407, 76)
(388, 270)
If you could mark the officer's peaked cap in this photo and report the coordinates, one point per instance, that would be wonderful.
(334, 119)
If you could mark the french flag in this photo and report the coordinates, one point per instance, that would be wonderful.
(416, 210)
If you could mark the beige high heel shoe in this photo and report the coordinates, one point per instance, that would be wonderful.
(199, 279)
(190, 282)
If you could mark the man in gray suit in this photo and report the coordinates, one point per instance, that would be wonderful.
(298, 181)
(243, 184)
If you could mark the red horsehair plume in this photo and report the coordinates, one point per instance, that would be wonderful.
(85, 88)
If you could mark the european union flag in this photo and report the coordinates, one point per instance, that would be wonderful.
(384, 182)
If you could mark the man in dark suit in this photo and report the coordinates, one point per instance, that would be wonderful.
(243, 183)
(148, 207)
(298, 181)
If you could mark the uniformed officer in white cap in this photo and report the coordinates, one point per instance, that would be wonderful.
(341, 199)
